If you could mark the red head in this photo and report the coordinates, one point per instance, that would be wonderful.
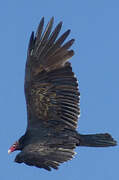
(14, 147)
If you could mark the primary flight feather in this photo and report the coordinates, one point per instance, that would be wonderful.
(52, 100)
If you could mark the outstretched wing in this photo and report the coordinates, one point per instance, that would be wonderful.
(51, 87)
(49, 153)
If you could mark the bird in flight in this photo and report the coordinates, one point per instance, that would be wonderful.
(52, 101)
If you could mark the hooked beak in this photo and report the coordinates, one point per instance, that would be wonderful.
(9, 151)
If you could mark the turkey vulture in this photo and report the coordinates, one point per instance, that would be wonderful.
(52, 100)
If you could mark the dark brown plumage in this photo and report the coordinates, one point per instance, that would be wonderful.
(52, 99)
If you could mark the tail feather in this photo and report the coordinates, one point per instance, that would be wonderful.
(97, 140)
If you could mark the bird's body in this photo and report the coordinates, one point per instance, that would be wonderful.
(52, 99)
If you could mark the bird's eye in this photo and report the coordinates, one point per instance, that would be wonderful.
(14, 145)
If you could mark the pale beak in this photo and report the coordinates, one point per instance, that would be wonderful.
(9, 151)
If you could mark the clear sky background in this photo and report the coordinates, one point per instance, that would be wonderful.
(95, 26)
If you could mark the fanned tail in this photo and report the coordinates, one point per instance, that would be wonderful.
(97, 140)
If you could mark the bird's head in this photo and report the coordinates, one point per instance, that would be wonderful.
(14, 147)
(18, 145)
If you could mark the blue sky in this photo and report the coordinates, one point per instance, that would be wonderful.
(95, 26)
